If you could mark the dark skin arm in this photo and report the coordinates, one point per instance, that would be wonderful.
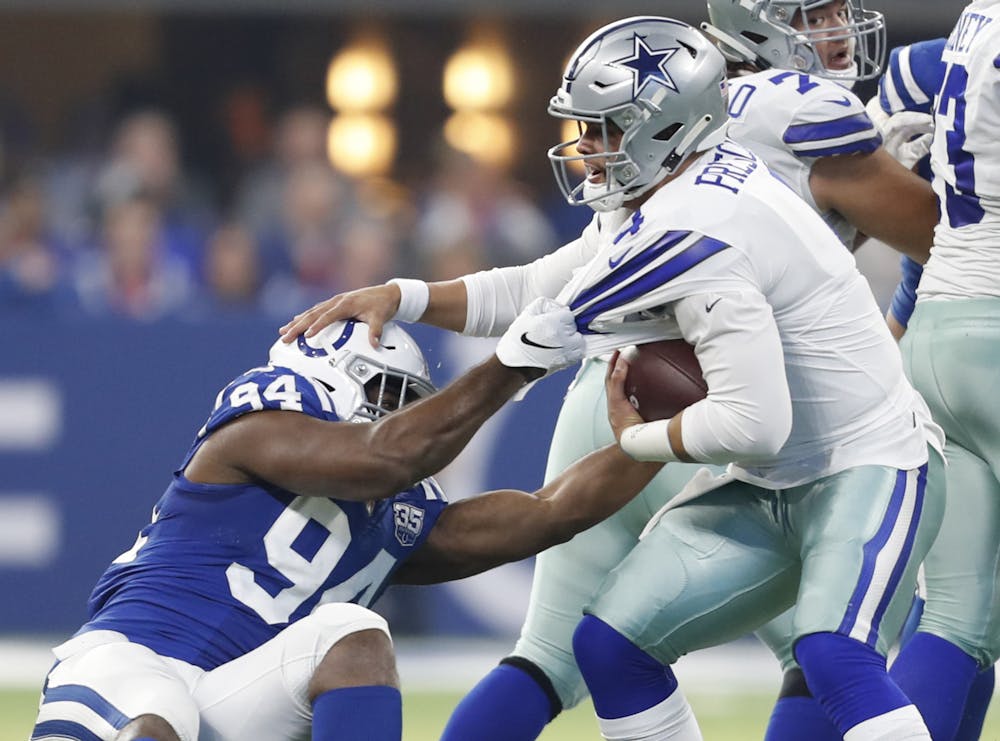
(485, 531)
(358, 462)
(880, 197)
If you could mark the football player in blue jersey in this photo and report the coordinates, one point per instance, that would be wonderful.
(949, 349)
(815, 136)
(242, 610)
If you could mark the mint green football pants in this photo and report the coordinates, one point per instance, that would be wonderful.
(604, 571)
(951, 351)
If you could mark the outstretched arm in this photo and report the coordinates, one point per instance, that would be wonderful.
(479, 304)
(361, 462)
(485, 531)
(375, 305)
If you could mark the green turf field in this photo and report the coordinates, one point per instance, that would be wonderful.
(722, 717)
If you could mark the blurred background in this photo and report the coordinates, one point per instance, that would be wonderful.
(179, 177)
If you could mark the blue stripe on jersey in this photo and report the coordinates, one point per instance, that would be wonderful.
(828, 132)
(874, 547)
(630, 267)
(914, 77)
(63, 729)
(865, 146)
(697, 253)
(87, 697)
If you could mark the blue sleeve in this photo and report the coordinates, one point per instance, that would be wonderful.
(913, 77)
(905, 296)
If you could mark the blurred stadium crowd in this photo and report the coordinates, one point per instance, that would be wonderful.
(128, 230)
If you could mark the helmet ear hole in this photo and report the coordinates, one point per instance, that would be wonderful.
(668, 133)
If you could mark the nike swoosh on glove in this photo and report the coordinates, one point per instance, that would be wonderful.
(543, 336)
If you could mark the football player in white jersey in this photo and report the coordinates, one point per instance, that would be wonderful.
(832, 494)
(241, 611)
(833, 160)
(950, 350)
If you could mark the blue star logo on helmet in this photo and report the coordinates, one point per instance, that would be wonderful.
(647, 64)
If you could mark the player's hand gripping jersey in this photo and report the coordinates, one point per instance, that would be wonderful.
(766, 310)
(222, 569)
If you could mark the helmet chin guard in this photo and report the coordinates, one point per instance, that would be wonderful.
(656, 80)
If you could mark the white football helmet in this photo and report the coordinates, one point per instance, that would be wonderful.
(760, 33)
(364, 382)
(660, 82)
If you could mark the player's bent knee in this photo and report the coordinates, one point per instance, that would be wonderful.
(343, 618)
(148, 726)
(361, 659)
(352, 644)
(328, 625)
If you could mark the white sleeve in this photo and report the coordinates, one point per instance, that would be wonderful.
(495, 297)
(748, 411)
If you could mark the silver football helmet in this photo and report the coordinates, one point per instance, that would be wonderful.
(657, 80)
(364, 382)
(760, 33)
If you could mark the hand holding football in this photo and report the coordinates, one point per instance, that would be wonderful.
(663, 378)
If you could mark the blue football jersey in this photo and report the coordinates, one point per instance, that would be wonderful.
(913, 77)
(221, 569)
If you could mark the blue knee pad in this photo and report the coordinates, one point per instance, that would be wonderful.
(848, 678)
(937, 676)
(622, 678)
(514, 702)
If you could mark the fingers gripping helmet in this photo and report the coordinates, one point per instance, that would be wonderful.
(364, 382)
(760, 33)
(657, 80)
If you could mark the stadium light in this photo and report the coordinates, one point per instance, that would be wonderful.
(361, 144)
(486, 137)
(362, 78)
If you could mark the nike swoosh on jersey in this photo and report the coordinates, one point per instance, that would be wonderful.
(842, 100)
(528, 341)
(615, 262)
(709, 307)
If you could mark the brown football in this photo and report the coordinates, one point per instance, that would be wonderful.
(663, 378)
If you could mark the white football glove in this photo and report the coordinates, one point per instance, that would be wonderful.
(543, 336)
(906, 135)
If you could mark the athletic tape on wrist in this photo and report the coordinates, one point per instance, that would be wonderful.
(414, 295)
(648, 442)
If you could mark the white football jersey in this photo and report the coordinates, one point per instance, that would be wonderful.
(790, 119)
(965, 159)
(727, 226)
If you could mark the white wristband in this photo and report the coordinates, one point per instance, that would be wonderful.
(414, 295)
(648, 442)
